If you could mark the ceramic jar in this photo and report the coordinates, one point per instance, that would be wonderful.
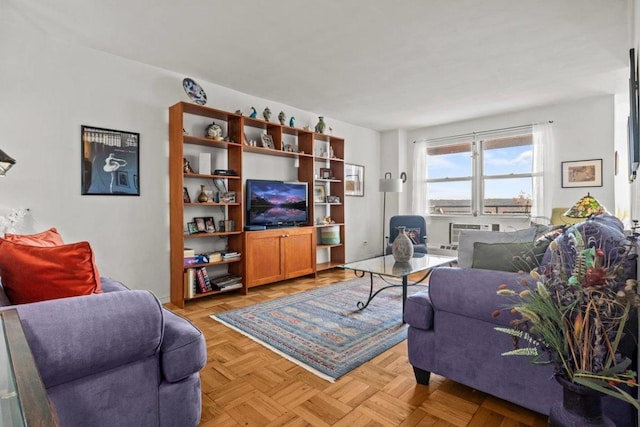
(321, 126)
(214, 131)
(266, 114)
(402, 247)
(282, 117)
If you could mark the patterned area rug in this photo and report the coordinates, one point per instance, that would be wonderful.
(322, 330)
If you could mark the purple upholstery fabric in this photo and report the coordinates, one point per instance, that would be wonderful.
(451, 333)
(103, 363)
(183, 348)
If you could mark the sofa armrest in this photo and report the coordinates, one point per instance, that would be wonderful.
(111, 285)
(71, 338)
(472, 292)
(184, 350)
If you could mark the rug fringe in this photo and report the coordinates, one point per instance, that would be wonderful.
(275, 350)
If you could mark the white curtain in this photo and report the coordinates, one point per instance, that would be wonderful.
(419, 200)
(543, 172)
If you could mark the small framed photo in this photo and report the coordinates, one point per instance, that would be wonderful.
(353, 180)
(192, 228)
(319, 195)
(333, 199)
(582, 173)
(209, 224)
(185, 195)
(226, 197)
(325, 173)
(200, 225)
(267, 141)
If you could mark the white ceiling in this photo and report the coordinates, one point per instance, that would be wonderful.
(378, 64)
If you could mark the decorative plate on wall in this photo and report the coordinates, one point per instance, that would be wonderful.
(195, 92)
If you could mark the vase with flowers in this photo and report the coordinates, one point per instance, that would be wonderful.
(575, 314)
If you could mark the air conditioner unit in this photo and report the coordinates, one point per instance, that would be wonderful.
(456, 228)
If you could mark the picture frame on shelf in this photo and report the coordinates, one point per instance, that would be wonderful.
(185, 195)
(226, 197)
(582, 173)
(325, 173)
(333, 199)
(200, 224)
(115, 152)
(209, 224)
(319, 194)
(192, 228)
(267, 141)
(353, 180)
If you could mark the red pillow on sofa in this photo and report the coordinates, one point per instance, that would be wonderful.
(35, 273)
(49, 237)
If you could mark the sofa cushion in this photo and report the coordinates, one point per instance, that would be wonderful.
(33, 273)
(49, 237)
(468, 237)
(512, 257)
(418, 311)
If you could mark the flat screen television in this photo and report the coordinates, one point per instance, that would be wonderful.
(276, 203)
(633, 126)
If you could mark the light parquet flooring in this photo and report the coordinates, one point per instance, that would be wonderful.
(245, 384)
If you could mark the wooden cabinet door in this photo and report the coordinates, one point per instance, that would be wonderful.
(299, 252)
(264, 261)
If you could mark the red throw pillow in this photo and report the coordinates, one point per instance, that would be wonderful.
(49, 237)
(35, 273)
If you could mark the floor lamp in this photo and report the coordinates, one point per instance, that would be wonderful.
(388, 185)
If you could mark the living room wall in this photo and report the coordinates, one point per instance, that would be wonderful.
(583, 129)
(50, 88)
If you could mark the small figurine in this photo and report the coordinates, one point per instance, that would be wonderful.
(282, 117)
(239, 112)
(186, 167)
(254, 113)
(292, 121)
(266, 114)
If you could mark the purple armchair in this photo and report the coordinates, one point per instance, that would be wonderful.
(116, 359)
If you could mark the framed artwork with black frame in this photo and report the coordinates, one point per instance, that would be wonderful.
(110, 162)
(325, 173)
(192, 228)
(353, 180)
(582, 173)
(200, 224)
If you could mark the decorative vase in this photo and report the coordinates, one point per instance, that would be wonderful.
(581, 406)
(282, 117)
(214, 131)
(202, 197)
(292, 122)
(321, 126)
(402, 247)
(266, 114)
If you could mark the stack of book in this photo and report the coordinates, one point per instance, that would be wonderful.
(230, 255)
(226, 282)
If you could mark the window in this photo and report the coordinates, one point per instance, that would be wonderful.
(489, 176)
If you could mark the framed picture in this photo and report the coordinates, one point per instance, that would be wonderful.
(185, 195)
(200, 224)
(209, 224)
(267, 141)
(353, 180)
(333, 199)
(325, 173)
(192, 227)
(319, 195)
(582, 173)
(110, 162)
(226, 197)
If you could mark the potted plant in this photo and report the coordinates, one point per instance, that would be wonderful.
(574, 314)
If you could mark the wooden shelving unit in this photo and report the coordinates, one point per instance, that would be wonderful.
(313, 151)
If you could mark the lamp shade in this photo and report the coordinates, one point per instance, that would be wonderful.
(585, 207)
(390, 185)
(6, 162)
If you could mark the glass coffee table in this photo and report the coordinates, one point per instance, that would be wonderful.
(386, 266)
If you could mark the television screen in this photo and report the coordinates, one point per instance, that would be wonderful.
(276, 203)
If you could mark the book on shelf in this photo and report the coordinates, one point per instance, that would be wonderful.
(189, 283)
(188, 252)
(197, 259)
(215, 256)
(230, 287)
(225, 281)
(202, 278)
(230, 254)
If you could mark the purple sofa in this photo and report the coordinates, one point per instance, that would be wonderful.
(115, 359)
(451, 334)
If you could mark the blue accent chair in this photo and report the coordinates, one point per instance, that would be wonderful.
(412, 223)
